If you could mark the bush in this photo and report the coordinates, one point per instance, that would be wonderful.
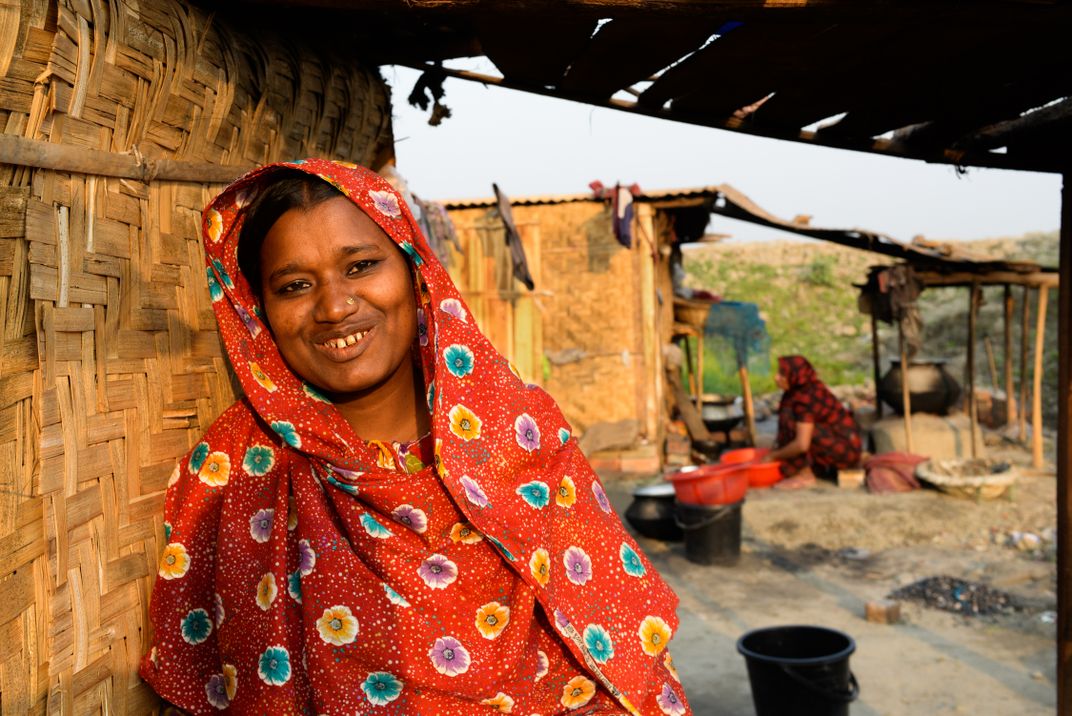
(820, 272)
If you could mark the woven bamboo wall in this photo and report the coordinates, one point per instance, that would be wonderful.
(110, 365)
(588, 296)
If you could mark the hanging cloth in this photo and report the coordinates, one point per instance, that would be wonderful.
(513, 240)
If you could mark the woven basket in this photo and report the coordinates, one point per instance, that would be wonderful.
(112, 365)
(978, 479)
(692, 312)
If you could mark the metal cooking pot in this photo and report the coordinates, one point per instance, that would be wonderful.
(721, 415)
(931, 389)
(652, 513)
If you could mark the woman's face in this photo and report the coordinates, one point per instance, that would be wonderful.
(338, 295)
(782, 380)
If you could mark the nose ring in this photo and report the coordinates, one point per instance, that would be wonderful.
(349, 300)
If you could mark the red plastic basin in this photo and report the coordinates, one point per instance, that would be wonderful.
(760, 474)
(710, 485)
(763, 474)
(732, 457)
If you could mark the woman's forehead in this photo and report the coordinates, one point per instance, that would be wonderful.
(336, 228)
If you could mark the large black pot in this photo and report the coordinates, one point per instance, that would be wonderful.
(652, 513)
(931, 389)
(721, 415)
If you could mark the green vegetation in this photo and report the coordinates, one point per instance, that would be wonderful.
(820, 272)
(805, 294)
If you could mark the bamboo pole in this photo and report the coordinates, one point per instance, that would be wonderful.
(905, 394)
(25, 152)
(1010, 399)
(973, 407)
(691, 369)
(1064, 456)
(1025, 318)
(749, 408)
(1034, 279)
(690, 414)
(1036, 396)
(699, 369)
(991, 361)
(876, 364)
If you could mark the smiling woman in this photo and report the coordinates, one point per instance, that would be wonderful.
(341, 307)
(339, 525)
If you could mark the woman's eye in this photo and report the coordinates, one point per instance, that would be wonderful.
(362, 266)
(292, 287)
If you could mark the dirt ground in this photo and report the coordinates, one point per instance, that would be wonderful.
(818, 556)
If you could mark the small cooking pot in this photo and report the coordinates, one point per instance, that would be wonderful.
(652, 511)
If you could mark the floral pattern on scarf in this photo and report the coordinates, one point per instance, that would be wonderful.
(309, 571)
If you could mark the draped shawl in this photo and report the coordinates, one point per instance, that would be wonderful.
(269, 596)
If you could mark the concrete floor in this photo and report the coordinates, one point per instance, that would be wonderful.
(933, 663)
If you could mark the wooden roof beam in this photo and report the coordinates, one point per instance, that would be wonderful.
(1055, 116)
(932, 278)
(603, 8)
(1036, 163)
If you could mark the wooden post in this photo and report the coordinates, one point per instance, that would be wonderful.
(699, 369)
(876, 364)
(1064, 456)
(1036, 396)
(973, 408)
(905, 398)
(991, 362)
(749, 408)
(690, 367)
(690, 414)
(1010, 399)
(1025, 318)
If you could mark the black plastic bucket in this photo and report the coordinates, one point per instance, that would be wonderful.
(799, 670)
(712, 532)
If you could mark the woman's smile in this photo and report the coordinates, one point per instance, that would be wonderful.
(346, 346)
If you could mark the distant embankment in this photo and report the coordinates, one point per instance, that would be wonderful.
(805, 294)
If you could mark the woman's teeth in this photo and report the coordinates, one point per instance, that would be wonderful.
(346, 340)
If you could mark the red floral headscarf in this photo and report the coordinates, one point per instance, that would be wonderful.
(797, 371)
(288, 583)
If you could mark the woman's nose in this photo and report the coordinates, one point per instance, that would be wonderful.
(336, 303)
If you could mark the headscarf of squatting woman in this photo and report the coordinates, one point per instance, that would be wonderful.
(309, 571)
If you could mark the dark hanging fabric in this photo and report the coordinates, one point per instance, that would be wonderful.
(513, 240)
(623, 215)
(621, 198)
(429, 88)
(890, 294)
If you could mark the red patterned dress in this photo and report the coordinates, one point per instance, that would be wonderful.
(835, 441)
(309, 571)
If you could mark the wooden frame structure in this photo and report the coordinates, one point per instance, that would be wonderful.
(1038, 281)
(935, 265)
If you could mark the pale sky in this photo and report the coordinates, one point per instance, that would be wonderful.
(530, 144)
